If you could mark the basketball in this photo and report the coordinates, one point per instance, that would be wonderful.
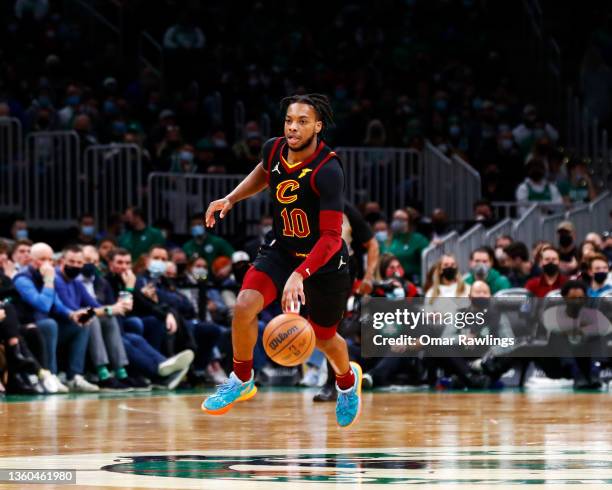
(289, 339)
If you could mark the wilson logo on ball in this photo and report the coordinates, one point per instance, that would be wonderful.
(278, 340)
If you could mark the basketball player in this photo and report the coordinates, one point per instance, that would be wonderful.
(306, 262)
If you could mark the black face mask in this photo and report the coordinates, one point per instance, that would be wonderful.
(89, 270)
(180, 269)
(565, 240)
(600, 277)
(550, 269)
(573, 308)
(449, 273)
(72, 272)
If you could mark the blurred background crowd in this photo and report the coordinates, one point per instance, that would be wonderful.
(129, 304)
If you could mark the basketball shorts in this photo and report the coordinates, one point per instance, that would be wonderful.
(326, 290)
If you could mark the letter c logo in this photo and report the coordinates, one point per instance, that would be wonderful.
(284, 187)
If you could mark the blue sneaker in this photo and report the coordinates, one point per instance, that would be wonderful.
(233, 390)
(348, 406)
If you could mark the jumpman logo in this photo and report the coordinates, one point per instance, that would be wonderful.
(276, 169)
(342, 262)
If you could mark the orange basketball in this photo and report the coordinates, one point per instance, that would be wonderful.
(289, 339)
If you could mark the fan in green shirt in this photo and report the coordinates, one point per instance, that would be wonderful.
(139, 237)
(204, 244)
(406, 245)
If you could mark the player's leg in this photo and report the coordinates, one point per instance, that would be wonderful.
(258, 290)
(326, 299)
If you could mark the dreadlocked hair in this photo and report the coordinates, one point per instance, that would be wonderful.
(319, 102)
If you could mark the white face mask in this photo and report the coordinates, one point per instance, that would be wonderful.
(200, 273)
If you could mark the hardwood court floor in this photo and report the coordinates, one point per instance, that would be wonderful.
(281, 439)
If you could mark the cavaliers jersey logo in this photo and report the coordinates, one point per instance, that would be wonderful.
(284, 189)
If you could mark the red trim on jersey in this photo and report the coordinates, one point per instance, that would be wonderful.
(272, 152)
(329, 242)
(322, 332)
(290, 170)
(261, 282)
(313, 185)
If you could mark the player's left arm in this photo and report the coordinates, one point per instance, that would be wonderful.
(329, 183)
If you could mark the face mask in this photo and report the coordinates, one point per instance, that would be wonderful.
(157, 268)
(550, 269)
(600, 277)
(198, 231)
(186, 155)
(200, 273)
(180, 269)
(480, 303)
(397, 293)
(72, 272)
(480, 271)
(21, 234)
(382, 236)
(88, 230)
(88, 270)
(573, 309)
(449, 273)
(399, 226)
(565, 240)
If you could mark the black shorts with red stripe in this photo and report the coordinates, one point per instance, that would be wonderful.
(326, 290)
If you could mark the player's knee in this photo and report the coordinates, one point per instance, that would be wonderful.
(248, 305)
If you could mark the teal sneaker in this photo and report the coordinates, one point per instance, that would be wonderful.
(348, 406)
(233, 390)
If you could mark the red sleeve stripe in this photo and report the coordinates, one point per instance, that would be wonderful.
(316, 170)
(329, 242)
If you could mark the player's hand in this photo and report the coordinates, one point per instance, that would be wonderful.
(223, 205)
(293, 294)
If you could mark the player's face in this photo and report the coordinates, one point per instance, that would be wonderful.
(301, 126)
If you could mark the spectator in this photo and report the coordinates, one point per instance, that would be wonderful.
(550, 279)
(520, 267)
(481, 268)
(568, 253)
(105, 343)
(447, 281)
(532, 128)
(19, 229)
(439, 225)
(266, 224)
(406, 245)
(39, 303)
(372, 212)
(182, 161)
(393, 276)
(536, 189)
(247, 152)
(595, 239)
(20, 255)
(87, 230)
(578, 187)
(143, 357)
(599, 271)
(105, 247)
(205, 244)
(483, 214)
(139, 237)
(381, 232)
(184, 35)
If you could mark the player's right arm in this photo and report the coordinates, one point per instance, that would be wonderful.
(253, 183)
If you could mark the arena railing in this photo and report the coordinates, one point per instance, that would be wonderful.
(599, 213)
(526, 228)
(472, 239)
(11, 164)
(467, 188)
(440, 187)
(391, 176)
(435, 251)
(177, 197)
(504, 227)
(111, 180)
(50, 178)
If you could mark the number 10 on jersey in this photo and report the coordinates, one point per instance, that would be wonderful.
(295, 223)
